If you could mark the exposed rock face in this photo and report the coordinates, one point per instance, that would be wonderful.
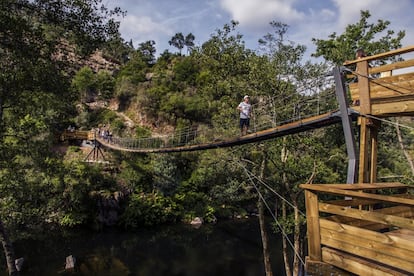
(96, 61)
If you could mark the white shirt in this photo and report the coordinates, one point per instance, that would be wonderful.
(245, 109)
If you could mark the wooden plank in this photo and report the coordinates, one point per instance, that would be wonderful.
(386, 238)
(352, 202)
(359, 186)
(356, 201)
(399, 51)
(391, 109)
(386, 87)
(392, 66)
(384, 198)
(392, 85)
(312, 219)
(365, 243)
(322, 268)
(369, 225)
(377, 217)
(356, 265)
(404, 264)
(401, 211)
(403, 233)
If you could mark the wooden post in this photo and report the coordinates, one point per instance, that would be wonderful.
(374, 146)
(365, 109)
(363, 151)
(312, 218)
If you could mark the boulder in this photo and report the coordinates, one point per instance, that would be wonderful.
(70, 262)
(196, 222)
(19, 263)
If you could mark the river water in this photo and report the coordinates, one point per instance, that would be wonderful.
(226, 248)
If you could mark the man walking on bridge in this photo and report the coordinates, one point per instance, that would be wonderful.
(245, 109)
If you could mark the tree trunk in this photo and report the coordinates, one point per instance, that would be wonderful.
(406, 154)
(296, 238)
(284, 243)
(265, 240)
(8, 250)
(263, 232)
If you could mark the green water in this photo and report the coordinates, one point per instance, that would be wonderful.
(227, 248)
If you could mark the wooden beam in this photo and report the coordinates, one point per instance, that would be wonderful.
(384, 198)
(358, 186)
(374, 146)
(385, 238)
(373, 216)
(365, 243)
(356, 265)
(392, 66)
(312, 218)
(400, 51)
(363, 151)
(363, 87)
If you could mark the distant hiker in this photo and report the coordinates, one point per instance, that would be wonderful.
(245, 109)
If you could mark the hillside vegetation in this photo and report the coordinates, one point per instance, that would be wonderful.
(46, 86)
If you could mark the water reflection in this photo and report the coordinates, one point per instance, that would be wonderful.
(227, 248)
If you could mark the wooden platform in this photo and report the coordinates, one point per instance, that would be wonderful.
(386, 90)
(370, 232)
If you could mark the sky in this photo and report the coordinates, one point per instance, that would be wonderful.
(160, 20)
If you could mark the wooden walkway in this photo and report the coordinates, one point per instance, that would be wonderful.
(286, 129)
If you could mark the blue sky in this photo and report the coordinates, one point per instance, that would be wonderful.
(159, 20)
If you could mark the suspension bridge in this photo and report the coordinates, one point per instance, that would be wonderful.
(365, 229)
(271, 117)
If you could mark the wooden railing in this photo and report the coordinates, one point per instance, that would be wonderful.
(77, 135)
(365, 229)
(386, 90)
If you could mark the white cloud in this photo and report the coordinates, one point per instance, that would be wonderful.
(260, 12)
(159, 20)
(142, 28)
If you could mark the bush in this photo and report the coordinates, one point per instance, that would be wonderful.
(149, 210)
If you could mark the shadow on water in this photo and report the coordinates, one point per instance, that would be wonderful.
(227, 248)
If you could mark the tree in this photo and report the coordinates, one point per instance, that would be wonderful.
(35, 98)
(147, 50)
(178, 41)
(373, 38)
(84, 82)
(189, 42)
(105, 85)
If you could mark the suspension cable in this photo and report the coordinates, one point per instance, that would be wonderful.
(249, 174)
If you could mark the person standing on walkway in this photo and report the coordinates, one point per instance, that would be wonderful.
(245, 109)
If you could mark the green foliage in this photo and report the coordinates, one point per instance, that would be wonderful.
(145, 210)
(194, 204)
(147, 52)
(373, 38)
(134, 70)
(36, 101)
(105, 85)
(141, 132)
(85, 84)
